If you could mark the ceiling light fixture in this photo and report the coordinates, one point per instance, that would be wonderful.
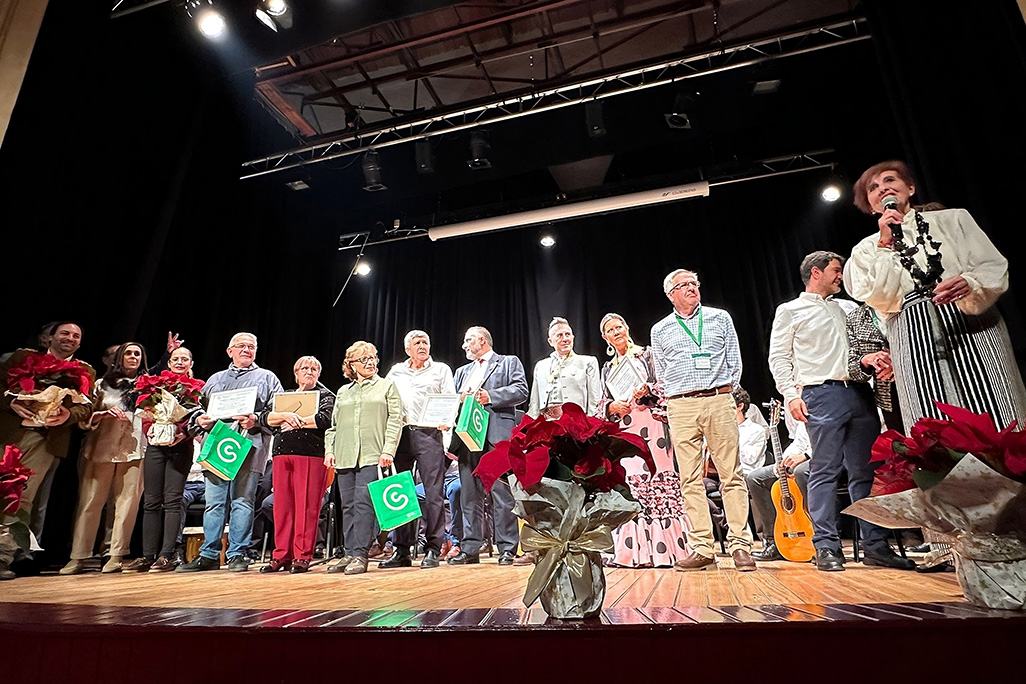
(371, 166)
(679, 117)
(363, 268)
(479, 151)
(274, 14)
(547, 240)
(830, 193)
(209, 21)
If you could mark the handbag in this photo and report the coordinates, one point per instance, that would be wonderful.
(394, 499)
(224, 451)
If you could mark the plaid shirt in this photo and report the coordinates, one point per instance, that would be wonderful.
(865, 337)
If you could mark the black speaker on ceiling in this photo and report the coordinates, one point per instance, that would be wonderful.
(594, 119)
(424, 156)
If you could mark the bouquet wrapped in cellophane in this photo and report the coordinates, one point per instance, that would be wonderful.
(42, 381)
(166, 399)
(965, 480)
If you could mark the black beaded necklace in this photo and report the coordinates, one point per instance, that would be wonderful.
(924, 280)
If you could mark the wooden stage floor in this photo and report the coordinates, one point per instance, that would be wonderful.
(70, 629)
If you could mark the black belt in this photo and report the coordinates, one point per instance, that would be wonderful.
(843, 383)
(711, 392)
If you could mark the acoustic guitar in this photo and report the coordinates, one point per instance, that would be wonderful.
(792, 531)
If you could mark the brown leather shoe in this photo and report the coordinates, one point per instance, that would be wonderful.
(743, 561)
(694, 561)
(162, 564)
(529, 558)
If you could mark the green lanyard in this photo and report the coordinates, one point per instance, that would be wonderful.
(697, 340)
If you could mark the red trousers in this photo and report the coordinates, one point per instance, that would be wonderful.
(299, 483)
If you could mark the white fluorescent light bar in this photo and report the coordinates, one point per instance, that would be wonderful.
(568, 211)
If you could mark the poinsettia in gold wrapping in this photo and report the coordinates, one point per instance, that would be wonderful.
(570, 530)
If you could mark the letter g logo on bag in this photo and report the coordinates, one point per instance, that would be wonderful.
(393, 498)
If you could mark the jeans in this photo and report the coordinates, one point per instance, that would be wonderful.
(239, 492)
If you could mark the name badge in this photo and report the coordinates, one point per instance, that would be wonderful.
(702, 361)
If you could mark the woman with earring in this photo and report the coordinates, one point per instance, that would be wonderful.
(656, 537)
(112, 457)
(933, 277)
(362, 438)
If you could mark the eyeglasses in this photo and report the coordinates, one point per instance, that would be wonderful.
(685, 285)
(250, 347)
(366, 360)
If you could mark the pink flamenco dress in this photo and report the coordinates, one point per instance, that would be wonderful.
(656, 538)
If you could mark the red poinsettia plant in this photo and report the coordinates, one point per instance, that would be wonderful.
(576, 448)
(184, 389)
(934, 446)
(13, 478)
(37, 371)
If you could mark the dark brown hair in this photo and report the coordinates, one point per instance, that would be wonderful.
(861, 185)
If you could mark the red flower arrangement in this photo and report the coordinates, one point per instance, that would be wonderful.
(184, 389)
(38, 370)
(13, 478)
(576, 448)
(934, 447)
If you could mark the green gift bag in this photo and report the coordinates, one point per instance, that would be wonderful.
(472, 425)
(394, 499)
(224, 451)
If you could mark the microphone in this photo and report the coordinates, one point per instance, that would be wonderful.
(890, 202)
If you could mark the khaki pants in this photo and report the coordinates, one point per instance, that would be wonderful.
(713, 418)
(122, 480)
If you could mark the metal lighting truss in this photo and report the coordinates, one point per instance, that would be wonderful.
(544, 100)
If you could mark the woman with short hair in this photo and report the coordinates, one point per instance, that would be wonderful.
(363, 436)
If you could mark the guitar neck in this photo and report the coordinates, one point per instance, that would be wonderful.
(778, 457)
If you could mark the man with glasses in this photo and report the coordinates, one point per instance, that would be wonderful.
(698, 361)
(416, 378)
(242, 372)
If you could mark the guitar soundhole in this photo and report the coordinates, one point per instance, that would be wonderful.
(787, 503)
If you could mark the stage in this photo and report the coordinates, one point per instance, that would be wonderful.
(464, 622)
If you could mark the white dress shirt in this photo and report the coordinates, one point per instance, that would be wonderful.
(809, 343)
(751, 444)
(476, 377)
(415, 385)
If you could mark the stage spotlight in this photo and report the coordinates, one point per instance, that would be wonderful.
(209, 21)
(547, 240)
(831, 193)
(479, 151)
(371, 166)
(683, 109)
(362, 268)
(274, 14)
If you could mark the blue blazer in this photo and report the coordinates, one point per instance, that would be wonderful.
(506, 384)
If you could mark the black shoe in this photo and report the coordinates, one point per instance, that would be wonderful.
(238, 564)
(198, 564)
(464, 558)
(885, 557)
(769, 553)
(920, 548)
(506, 558)
(276, 566)
(829, 560)
(430, 559)
(398, 560)
(179, 556)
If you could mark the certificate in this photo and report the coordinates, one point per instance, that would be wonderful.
(238, 402)
(623, 380)
(303, 404)
(439, 409)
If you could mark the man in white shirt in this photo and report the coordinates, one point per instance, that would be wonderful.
(751, 436)
(564, 377)
(808, 357)
(416, 378)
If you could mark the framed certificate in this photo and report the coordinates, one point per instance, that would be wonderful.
(623, 380)
(303, 404)
(238, 402)
(439, 409)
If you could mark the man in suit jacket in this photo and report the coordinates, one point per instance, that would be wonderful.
(499, 384)
(564, 377)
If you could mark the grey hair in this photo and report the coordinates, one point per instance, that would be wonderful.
(608, 317)
(306, 359)
(556, 320)
(668, 280)
(820, 260)
(482, 331)
(414, 334)
(242, 334)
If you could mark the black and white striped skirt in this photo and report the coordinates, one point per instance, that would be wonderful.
(941, 354)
